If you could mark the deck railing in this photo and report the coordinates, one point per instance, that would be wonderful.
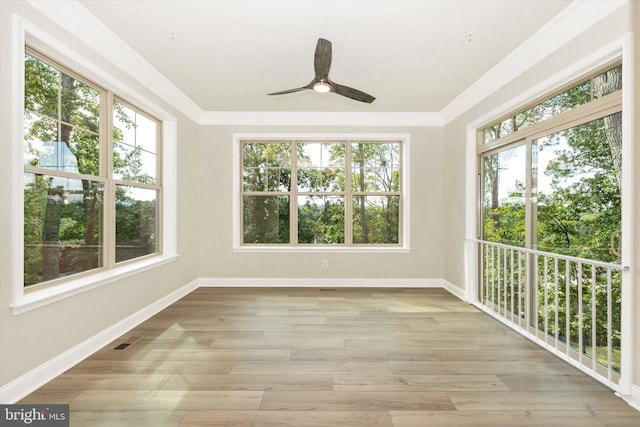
(569, 305)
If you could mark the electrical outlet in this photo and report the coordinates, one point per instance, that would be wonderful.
(325, 263)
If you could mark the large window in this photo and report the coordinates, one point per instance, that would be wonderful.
(321, 193)
(91, 178)
(554, 184)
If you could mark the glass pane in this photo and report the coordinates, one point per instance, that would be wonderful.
(74, 149)
(135, 146)
(376, 167)
(63, 221)
(265, 219)
(504, 180)
(321, 167)
(136, 222)
(376, 219)
(578, 189)
(321, 219)
(578, 95)
(80, 104)
(266, 167)
(608, 82)
(41, 88)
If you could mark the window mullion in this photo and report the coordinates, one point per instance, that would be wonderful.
(293, 195)
(106, 158)
(348, 197)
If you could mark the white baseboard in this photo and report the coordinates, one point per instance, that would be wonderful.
(632, 399)
(456, 291)
(37, 377)
(258, 282)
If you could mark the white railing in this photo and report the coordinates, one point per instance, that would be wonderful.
(569, 305)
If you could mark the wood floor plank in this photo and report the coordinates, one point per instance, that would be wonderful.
(311, 367)
(465, 367)
(418, 383)
(107, 400)
(153, 418)
(537, 401)
(252, 382)
(287, 419)
(625, 418)
(355, 401)
(494, 419)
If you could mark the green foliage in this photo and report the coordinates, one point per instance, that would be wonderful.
(321, 189)
(63, 223)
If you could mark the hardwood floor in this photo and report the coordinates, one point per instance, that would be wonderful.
(345, 357)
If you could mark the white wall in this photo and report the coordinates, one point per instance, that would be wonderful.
(30, 339)
(217, 260)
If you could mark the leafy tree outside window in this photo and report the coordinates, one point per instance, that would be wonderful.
(66, 180)
(342, 192)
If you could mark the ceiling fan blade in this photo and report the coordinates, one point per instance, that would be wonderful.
(352, 93)
(322, 59)
(282, 92)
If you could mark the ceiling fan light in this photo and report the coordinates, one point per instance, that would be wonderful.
(322, 87)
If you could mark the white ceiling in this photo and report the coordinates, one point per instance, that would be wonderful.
(413, 56)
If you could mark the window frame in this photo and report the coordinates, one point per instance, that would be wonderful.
(76, 64)
(582, 114)
(403, 233)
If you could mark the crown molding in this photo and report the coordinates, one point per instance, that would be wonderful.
(560, 30)
(82, 24)
(572, 21)
(310, 118)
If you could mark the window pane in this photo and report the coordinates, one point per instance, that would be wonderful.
(79, 104)
(135, 146)
(578, 95)
(136, 222)
(321, 167)
(607, 82)
(265, 219)
(376, 219)
(578, 184)
(42, 87)
(321, 219)
(376, 167)
(62, 227)
(266, 167)
(504, 177)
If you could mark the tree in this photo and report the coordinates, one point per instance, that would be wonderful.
(63, 206)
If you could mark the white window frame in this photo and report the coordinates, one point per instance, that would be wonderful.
(23, 300)
(236, 203)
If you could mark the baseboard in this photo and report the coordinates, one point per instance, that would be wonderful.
(455, 290)
(32, 380)
(632, 399)
(259, 282)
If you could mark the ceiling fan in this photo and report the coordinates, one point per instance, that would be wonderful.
(321, 82)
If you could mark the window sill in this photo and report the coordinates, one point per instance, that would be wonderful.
(30, 300)
(322, 249)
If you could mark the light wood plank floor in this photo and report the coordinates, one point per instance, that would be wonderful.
(345, 357)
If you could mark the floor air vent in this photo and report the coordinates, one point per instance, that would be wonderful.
(122, 346)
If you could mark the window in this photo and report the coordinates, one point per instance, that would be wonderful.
(321, 193)
(91, 177)
(556, 187)
(587, 90)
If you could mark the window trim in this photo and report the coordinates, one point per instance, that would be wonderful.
(236, 203)
(23, 300)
